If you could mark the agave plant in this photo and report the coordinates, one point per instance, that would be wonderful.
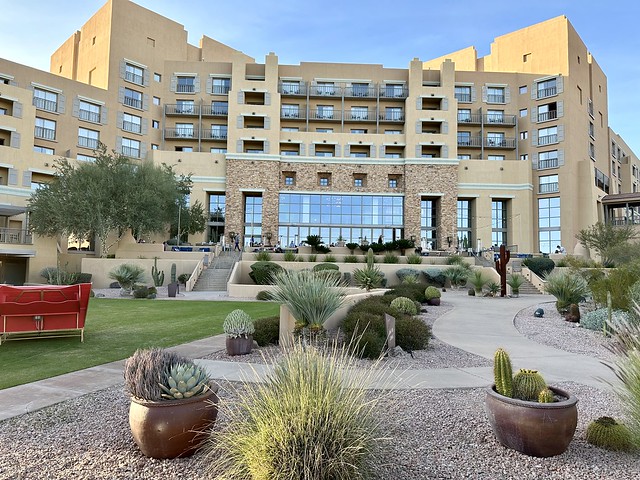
(185, 380)
(567, 287)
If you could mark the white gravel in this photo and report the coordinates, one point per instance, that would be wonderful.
(439, 434)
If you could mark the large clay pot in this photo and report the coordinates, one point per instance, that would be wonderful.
(434, 301)
(239, 345)
(535, 429)
(172, 428)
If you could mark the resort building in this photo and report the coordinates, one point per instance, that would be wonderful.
(459, 152)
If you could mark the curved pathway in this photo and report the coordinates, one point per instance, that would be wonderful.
(477, 325)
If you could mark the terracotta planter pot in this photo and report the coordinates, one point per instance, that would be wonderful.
(239, 345)
(535, 429)
(172, 428)
(434, 301)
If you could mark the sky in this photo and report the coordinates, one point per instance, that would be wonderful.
(374, 31)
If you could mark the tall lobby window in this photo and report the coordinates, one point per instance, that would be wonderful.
(548, 224)
(252, 219)
(217, 211)
(464, 224)
(429, 222)
(499, 222)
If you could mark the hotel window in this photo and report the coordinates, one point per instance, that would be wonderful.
(131, 123)
(185, 106)
(184, 130)
(289, 180)
(464, 224)
(217, 150)
(359, 180)
(131, 148)
(429, 222)
(524, 135)
(290, 87)
(220, 108)
(523, 112)
(547, 135)
(290, 129)
(46, 150)
(393, 114)
(134, 74)
(219, 132)
(89, 112)
(592, 151)
(524, 156)
(156, 100)
(221, 86)
(495, 116)
(360, 89)
(88, 138)
(155, 146)
(359, 130)
(499, 158)
(393, 183)
(602, 181)
(45, 100)
(393, 132)
(464, 115)
(132, 98)
(548, 224)
(45, 129)
(290, 110)
(463, 94)
(85, 158)
(186, 84)
(464, 156)
(499, 222)
(592, 131)
(523, 89)
(155, 124)
(324, 130)
(252, 218)
(548, 159)
(548, 112)
(496, 95)
(325, 88)
(324, 180)
(324, 112)
(3, 111)
(464, 139)
(547, 88)
(548, 184)
(495, 139)
(157, 77)
(359, 113)
(392, 90)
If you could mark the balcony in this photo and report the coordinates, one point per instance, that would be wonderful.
(474, 118)
(549, 187)
(546, 116)
(547, 92)
(173, 133)
(506, 120)
(214, 134)
(394, 117)
(360, 91)
(293, 89)
(87, 142)
(16, 236)
(215, 111)
(325, 91)
(473, 142)
(500, 142)
(360, 116)
(463, 97)
(393, 92)
(293, 114)
(324, 115)
(47, 105)
(189, 110)
(45, 133)
(548, 163)
(548, 139)
(89, 116)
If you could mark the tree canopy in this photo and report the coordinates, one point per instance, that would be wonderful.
(605, 238)
(111, 195)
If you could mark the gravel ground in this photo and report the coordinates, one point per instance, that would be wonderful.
(439, 434)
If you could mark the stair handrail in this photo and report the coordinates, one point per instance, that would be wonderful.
(197, 271)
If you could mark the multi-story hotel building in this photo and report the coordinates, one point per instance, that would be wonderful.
(514, 147)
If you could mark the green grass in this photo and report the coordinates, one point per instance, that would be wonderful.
(114, 329)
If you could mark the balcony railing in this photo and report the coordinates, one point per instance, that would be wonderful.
(475, 142)
(391, 117)
(293, 113)
(494, 119)
(186, 88)
(45, 133)
(547, 92)
(214, 134)
(220, 89)
(292, 88)
(87, 142)
(324, 115)
(549, 187)
(180, 133)
(16, 236)
(133, 102)
(215, 111)
(172, 109)
(469, 118)
(360, 92)
(395, 92)
(132, 127)
(548, 163)
(548, 139)
(463, 97)
(42, 104)
(133, 78)
(494, 98)
(360, 116)
(325, 90)
(635, 220)
(89, 116)
(500, 142)
(545, 116)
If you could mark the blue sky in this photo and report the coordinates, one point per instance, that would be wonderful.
(375, 31)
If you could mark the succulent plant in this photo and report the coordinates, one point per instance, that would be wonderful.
(237, 324)
(605, 432)
(527, 384)
(431, 292)
(185, 380)
(146, 369)
(404, 305)
(503, 373)
(546, 396)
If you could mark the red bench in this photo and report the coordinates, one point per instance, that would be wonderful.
(43, 311)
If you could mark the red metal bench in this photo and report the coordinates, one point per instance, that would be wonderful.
(43, 311)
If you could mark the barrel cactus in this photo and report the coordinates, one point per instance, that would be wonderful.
(546, 396)
(527, 385)
(431, 292)
(404, 305)
(185, 380)
(503, 373)
(238, 324)
(605, 432)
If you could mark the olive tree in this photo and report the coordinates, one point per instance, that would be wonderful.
(605, 238)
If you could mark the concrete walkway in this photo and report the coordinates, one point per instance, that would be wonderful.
(477, 325)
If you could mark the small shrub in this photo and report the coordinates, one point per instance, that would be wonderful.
(312, 258)
(414, 259)
(141, 292)
(325, 266)
(329, 259)
(431, 293)
(352, 246)
(346, 279)
(597, 319)
(377, 247)
(405, 305)
(263, 295)
(413, 291)
(457, 275)
(411, 280)
(127, 275)
(567, 287)
(183, 277)
(238, 323)
(263, 256)
(391, 246)
(493, 288)
(435, 277)
(289, 256)
(350, 259)
(478, 280)
(267, 330)
(515, 281)
(370, 276)
(455, 260)
(262, 272)
(618, 283)
(323, 249)
(541, 266)
(412, 333)
(369, 345)
(146, 369)
(390, 258)
(58, 276)
(83, 277)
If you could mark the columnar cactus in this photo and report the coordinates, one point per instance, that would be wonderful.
(503, 373)
(173, 273)
(157, 275)
(527, 385)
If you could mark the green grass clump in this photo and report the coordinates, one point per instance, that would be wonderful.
(310, 419)
(350, 259)
(414, 259)
(390, 258)
(263, 257)
(114, 329)
(289, 257)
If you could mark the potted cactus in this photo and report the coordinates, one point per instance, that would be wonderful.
(173, 403)
(432, 294)
(527, 415)
(239, 329)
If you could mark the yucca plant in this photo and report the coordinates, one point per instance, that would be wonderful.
(457, 275)
(515, 281)
(312, 418)
(127, 275)
(478, 280)
(567, 287)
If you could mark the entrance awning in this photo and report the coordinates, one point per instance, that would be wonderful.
(11, 210)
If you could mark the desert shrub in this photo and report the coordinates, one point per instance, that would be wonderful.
(351, 246)
(457, 275)
(407, 272)
(435, 277)
(455, 260)
(83, 277)
(263, 295)
(323, 249)
(312, 418)
(369, 345)
(312, 258)
(567, 287)
(141, 292)
(390, 258)
(391, 246)
(289, 256)
(413, 291)
(262, 272)
(59, 276)
(183, 277)
(414, 259)
(350, 259)
(329, 259)
(405, 305)
(576, 262)
(411, 279)
(412, 333)
(515, 281)
(431, 293)
(263, 257)
(346, 278)
(267, 330)
(493, 288)
(597, 319)
(370, 276)
(377, 247)
(541, 266)
(618, 282)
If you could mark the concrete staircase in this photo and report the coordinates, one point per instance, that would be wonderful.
(527, 288)
(215, 277)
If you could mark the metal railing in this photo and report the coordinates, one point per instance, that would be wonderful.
(185, 88)
(325, 90)
(547, 92)
(548, 139)
(549, 187)
(548, 163)
(88, 142)
(134, 78)
(180, 133)
(360, 91)
(389, 91)
(220, 89)
(215, 111)
(131, 127)
(177, 109)
(16, 236)
(292, 88)
(469, 118)
(545, 116)
(499, 119)
(89, 116)
(500, 142)
(294, 113)
(392, 117)
(214, 134)
(470, 142)
(43, 104)
(463, 97)
(328, 115)
(45, 133)
(495, 98)
(360, 116)
(133, 102)
(625, 221)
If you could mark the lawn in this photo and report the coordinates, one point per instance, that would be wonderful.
(114, 329)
